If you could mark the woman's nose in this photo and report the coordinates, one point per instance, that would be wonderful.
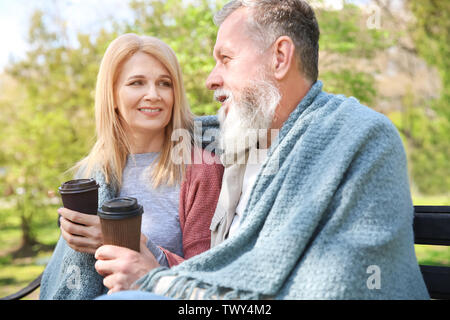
(152, 94)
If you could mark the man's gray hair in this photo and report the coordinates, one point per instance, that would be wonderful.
(271, 19)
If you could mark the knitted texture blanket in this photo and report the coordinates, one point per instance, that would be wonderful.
(333, 222)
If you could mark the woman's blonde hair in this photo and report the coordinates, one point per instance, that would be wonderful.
(109, 154)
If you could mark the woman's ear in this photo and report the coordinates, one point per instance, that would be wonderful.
(284, 50)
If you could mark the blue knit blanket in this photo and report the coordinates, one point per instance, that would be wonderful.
(334, 222)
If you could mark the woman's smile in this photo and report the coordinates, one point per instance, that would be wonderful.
(150, 112)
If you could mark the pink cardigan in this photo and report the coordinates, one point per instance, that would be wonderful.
(199, 193)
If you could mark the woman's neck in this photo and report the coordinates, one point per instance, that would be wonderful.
(146, 142)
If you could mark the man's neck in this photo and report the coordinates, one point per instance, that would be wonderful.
(292, 92)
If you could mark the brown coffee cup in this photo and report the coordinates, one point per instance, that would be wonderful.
(80, 195)
(120, 219)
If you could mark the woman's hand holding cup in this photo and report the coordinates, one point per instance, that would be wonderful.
(79, 223)
(82, 232)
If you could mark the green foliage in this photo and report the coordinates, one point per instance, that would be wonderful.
(429, 151)
(345, 41)
(351, 83)
(431, 145)
(346, 32)
(52, 126)
(432, 34)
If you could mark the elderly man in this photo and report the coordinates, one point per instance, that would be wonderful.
(327, 213)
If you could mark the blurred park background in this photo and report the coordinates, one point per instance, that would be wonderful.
(393, 55)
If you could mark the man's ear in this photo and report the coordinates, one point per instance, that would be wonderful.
(284, 50)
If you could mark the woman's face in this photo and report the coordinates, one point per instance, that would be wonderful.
(145, 95)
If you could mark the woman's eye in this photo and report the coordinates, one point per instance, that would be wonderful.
(136, 83)
(165, 83)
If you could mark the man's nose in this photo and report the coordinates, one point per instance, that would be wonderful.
(214, 80)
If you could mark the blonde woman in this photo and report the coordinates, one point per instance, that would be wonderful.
(140, 100)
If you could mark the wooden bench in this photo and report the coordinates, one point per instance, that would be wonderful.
(431, 227)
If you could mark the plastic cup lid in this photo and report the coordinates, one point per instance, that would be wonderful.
(120, 208)
(78, 185)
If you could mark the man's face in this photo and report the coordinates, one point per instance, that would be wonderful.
(237, 58)
(242, 84)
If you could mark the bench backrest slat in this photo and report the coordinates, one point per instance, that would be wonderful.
(432, 227)
(437, 280)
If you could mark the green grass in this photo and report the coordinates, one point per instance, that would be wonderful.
(18, 273)
(440, 200)
(15, 274)
(433, 255)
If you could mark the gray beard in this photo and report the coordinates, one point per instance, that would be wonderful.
(249, 116)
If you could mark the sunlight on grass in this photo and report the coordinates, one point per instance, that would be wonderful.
(439, 200)
(17, 275)
(433, 255)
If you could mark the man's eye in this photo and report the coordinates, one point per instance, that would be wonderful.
(225, 59)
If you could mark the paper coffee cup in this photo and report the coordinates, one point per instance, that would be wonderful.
(120, 220)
